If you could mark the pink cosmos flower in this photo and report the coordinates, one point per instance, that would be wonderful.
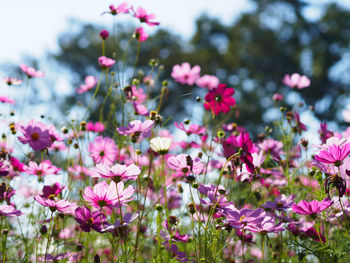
(90, 83)
(55, 205)
(184, 74)
(117, 172)
(277, 97)
(105, 62)
(43, 169)
(123, 8)
(52, 191)
(90, 220)
(103, 150)
(273, 147)
(245, 217)
(95, 127)
(140, 34)
(281, 203)
(141, 14)
(9, 210)
(208, 81)
(31, 72)
(137, 129)
(185, 165)
(220, 99)
(312, 208)
(334, 155)
(5, 99)
(140, 109)
(108, 195)
(12, 81)
(36, 134)
(296, 81)
(266, 226)
(192, 129)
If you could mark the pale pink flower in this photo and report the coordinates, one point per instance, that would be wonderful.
(90, 83)
(123, 8)
(12, 81)
(137, 129)
(31, 72)
(296, 81)
(116, 172)
(185, 74)
(56, 205)
(9, 210)
(208, 81)
(43, 169)
(105, 62)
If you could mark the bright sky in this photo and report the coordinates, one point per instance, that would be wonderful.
(32, 26)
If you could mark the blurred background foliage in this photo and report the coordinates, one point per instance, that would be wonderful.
(251, 55)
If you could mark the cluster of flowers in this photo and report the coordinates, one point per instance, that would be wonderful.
(193, 192)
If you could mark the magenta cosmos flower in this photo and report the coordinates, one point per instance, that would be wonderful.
(208, 81)
(117, 172)
(220, 99)
(137, 129)
(95, 127)
(9, 210)
(5, 99)
(140, 34)
(37, 135)
(104, 34)
(123, 8)
(184, 74)
(103, 150)
(108, 195)
(296, 81)
(142, 15)
(90, 83)
(312, 208)
(90, 220)
(245, 217)
(335, 154)
(105, 62)
(31, 72)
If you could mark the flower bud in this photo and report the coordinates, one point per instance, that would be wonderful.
(104, 34)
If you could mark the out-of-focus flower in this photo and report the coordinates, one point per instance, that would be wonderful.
(103, 150)
(160, 145)
(5, 99)
(266, 226)
(184, 74)
(105, 62)
(277, 97)
(140, 34)
(192, 129)
(12, 81)
(142, 15)
(220, 99)
(9, 210)
(296, 81)
(185, 165)
(208, 81)
(55, 205)
(95, 127)
(90, 83)
(31, 72)
(281, 203)
(42, 169)
(123, 8)
(104, 34)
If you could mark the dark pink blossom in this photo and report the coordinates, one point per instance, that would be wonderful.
(97, 127)
(104, 34)
(220, 99)
(5, 99)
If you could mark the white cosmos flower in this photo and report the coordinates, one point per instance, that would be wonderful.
(161, 145)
